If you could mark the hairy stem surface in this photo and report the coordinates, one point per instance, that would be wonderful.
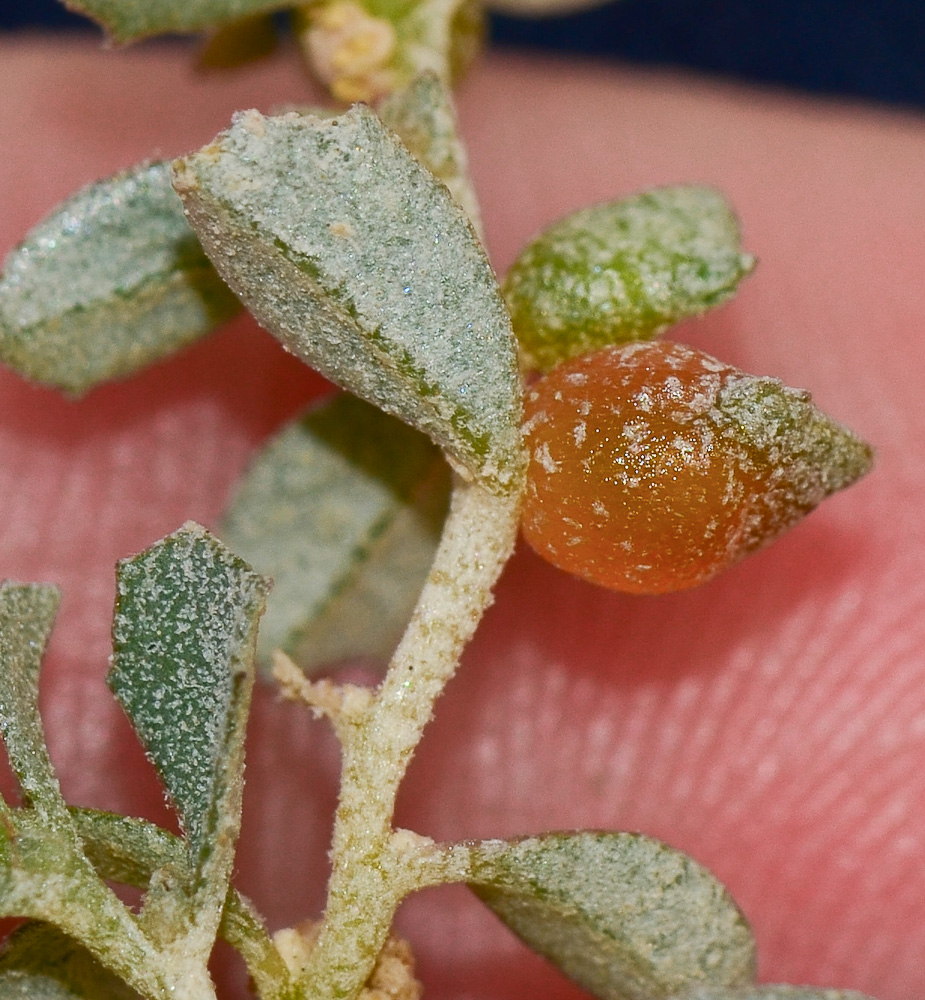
(373, 867)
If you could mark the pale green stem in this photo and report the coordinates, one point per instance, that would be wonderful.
(243, 929)
(371, 870)
(108, 930)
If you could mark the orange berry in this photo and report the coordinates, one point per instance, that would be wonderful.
(654, 466)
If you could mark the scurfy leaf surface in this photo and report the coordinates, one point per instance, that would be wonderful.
(111, 281)
(623, 271)
(343, 511)
(424, 118)
(129, 20)
(654, 466)
(125, 849)
(359, 261)
(625, 916)
(183, 639)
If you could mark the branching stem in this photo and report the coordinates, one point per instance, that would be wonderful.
(371, 871)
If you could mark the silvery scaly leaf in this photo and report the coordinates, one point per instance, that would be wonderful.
(625, 916)
(343, 510)
(39, 961)
(129, 20)
(111, 281)
(623, 271)
(770, 992)
(423, 116)
(27, 612)
(184, 637)
(358, 260)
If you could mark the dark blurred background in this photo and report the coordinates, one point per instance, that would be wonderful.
(850, 47)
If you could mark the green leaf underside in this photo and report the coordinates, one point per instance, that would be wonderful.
(183, 638)
(129, 20)
(359, 261)
(623, 271)
(625, 916)
(27, 612)
(771, 992)
(39, 961)
(111, 281)
(424, 118)
(343, 511)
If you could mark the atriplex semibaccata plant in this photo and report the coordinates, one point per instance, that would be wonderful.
(352, 237)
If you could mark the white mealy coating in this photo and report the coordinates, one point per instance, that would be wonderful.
(111, 280)
(624, 915)
(371, 862)
(623, 270)
(360, 262)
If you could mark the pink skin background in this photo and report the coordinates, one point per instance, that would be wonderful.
(772, 723)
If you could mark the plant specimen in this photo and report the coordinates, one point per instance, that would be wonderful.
(352, 236)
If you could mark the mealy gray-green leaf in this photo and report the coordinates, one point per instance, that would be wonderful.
(343, 510)
(38, 961)
(423, 116)
(184, 637)
(27, 612)
(771, 992)
(625, 916)
(129, 20)
(359, 261)
(623, 271)
(111, 281)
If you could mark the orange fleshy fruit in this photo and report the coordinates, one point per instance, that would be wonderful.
(654, 466)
